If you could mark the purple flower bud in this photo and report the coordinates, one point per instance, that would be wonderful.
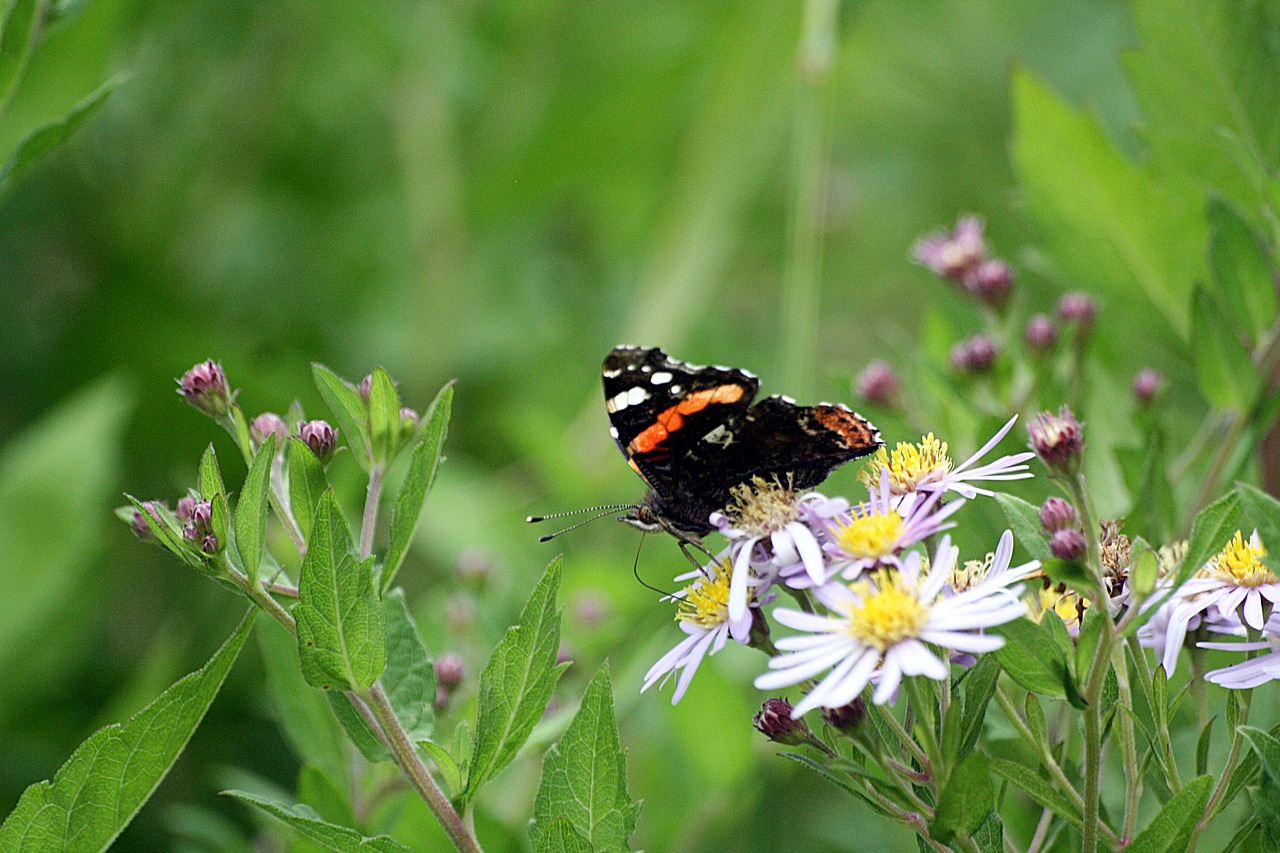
(201, 516)
(366, 386)
(590, 609)
(408, 423)
(992, 282)
(564, 654)
(321, 438)
(974, 354)
(1056, 514)
(846, 718)
(953, 255)
(1146, 385)
(449, 671)
(140, 527)
(190, 533)
(1068, 544)
(774, 722)
(475, 565)
(1077, 307)
(877, 383)
(1058, 440)
(1040, 333)
(209, 544)
(186, 504)
(205, 387)
(267, 424)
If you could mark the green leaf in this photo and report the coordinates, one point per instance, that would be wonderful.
(1224, 368)
(1245, 282)
(449, 768)
(1111, 226)
(16, 43)
(341, 632)
(304, 820)
(1265, 800)
(409, 679)
(1031, 657)
(1037, 788)
(423, 462)
(111, 775)
(1261, 511)
(980, 685)
(517, 683)
(1202, 747)
(1035, 718)
(302, 712)
(384, 416)
(843, 783)
(966, 800)
(220, 519)
(1210, 531)
(990, 835)
(167, 529)
(357, 727)
(560, 837)
(251, 510)
(1069, 572)
(1171, 828)
(584, 776)
(1267, 748)
(51, 134)
(318, 790)
(349, 410)
(209, 477)
(1092, 627)
(1024, 521)
(1245, 774)
(306, 484)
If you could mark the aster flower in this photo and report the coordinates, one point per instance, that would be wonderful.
(879, 626)
(995, 569)
(1232, 587)
(953, 255)
(1254, 671)
(762, 524)
(703, 614)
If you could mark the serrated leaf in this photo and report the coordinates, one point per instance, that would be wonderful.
(349, 410)
(384, 416)
(517, 683)
(111, 775)
(409, 679)
(990, 835)
(560, 837)
(16, 44)
(1210, 531)
(1224, 368)
(966, 800)
(1260, 510)
(423, 461)
(251, 510)
(1037, 788)
(1171, 828)
(304, 820)
(1024, 521)
(449, 768)
(209, 477)
(51, 134)
(341, 632)
(584, 776)
(357, 727)
(306, 484)
(1241, 272)
(1031, 657)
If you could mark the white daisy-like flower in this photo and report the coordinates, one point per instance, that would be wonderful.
(1232, 587)
(879, 627)
(875, 533)
(1252, 672)
(764, 528)
(926, 467)
(703, 615)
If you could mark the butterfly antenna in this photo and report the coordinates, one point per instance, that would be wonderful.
(635, 570)
(601, 512)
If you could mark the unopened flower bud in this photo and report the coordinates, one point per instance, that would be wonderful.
(205, 387)
(366, 386)
(564, 654)
(321, 438)
(1077, 307)
(186, 504)
(449, 671)
(1068, 544)
(953, 255)
(975, 354)
(267, 424)
(201, 516)
(590, 609)
(846, 718)
(190, 533)
(1056, 514)
(475, 565)
(408, 423)
(1146, 385)
(1040, 333)
(774, 722)
(140, 527)
(1058, 440)
(209, 544)
(992, 282)
(877, 383)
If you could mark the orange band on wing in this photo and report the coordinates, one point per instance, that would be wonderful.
(670, 420)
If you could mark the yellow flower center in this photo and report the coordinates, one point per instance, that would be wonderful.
(973, 572)
(706, 602)
(872, 536)
(888, 613)
(1065, 602)
(762, 507)
(910, 466)
(1240, 564)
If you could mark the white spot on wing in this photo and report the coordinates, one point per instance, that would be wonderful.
(675, 389)
(612, 374)
(789, 400)
(662, 377)
(613, 431)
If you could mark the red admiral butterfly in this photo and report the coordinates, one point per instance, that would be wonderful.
(692, 435)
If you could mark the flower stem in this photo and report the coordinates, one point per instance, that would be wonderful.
(419, 776)
(1005, 701)
(371, 500)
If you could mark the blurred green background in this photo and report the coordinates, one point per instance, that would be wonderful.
(495, 193)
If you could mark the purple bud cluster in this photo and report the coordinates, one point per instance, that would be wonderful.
(1058, 440)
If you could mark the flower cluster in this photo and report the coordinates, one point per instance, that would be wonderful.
(880, 584)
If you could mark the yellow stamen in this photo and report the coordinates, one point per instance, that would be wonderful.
(1065, 602)
(910, 465)
(762, 507)
(974, 572)
(1240, 564)
(889, 611)
(872, 536)
(706, 602)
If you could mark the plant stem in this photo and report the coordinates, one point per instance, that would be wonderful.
(1005, 701)
(419, 776)
(371, 500)
(263, 599)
